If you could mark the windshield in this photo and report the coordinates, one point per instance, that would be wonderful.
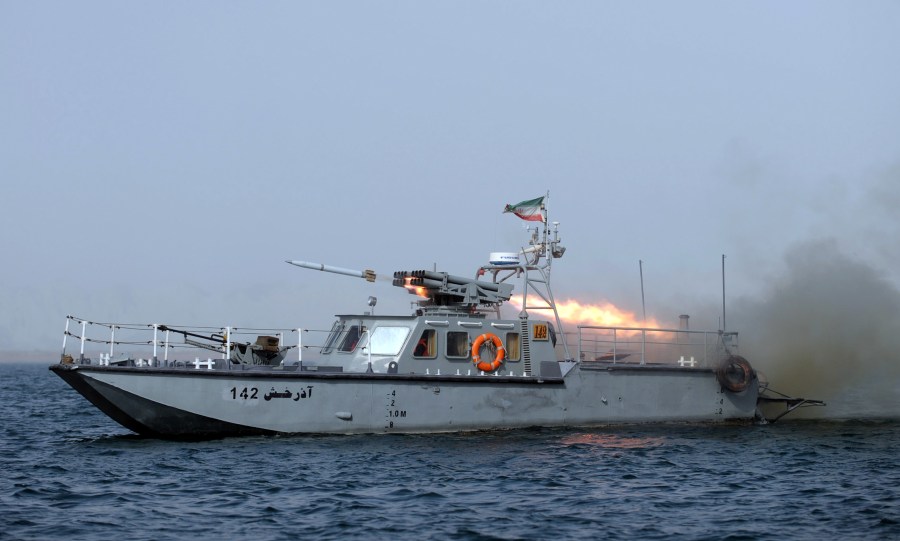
(388, 340)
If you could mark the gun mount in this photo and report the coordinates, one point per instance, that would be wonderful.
(445, 290)
(439, 289)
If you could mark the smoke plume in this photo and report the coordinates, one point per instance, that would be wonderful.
(828, 329)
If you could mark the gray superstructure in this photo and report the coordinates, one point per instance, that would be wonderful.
(455, 364)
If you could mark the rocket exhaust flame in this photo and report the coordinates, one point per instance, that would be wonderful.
(415, 290)
(604, 314)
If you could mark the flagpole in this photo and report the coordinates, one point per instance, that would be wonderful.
(643, 306)
(545, 212)
(723, 293)
(545, 215)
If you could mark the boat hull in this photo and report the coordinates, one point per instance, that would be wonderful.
(200, 404)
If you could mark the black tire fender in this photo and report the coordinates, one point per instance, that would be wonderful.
(734, 373)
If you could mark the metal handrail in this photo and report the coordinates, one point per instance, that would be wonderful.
(670, 345)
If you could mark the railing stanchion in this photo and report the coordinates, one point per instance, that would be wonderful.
(155, 342)
(615, 345)
(705, 349)
(580, 358)
(83, 331)
(65, 336)
(643, 345)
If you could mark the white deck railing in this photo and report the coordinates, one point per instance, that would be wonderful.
(158, 344)
(641, 345)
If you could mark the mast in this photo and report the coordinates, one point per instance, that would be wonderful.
(723, 293)
(543, 247)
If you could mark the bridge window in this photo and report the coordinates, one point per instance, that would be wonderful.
(512, 346)
(426, 347)
(351, 338)
(388, 340)
(458, 344)
(333, 337)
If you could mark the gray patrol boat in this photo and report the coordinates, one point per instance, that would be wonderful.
(454, 364)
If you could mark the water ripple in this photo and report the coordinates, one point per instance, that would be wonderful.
(69, 472)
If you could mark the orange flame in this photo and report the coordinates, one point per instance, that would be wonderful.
(415, 290)
(603, 314)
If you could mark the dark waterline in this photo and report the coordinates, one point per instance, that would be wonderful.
(70, 472)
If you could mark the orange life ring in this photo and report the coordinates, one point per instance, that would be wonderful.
(476, 352)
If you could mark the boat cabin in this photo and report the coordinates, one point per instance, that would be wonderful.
(438, 344)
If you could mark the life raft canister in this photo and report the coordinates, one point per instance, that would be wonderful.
(735, 373)
(476, 352)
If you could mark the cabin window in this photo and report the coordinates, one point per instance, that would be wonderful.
(333, 337)
(388, 340)
(512, 346)
(458, 344)
(351, 338)
(426, 347)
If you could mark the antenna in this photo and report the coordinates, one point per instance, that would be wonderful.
(643, 306)
(723, 292)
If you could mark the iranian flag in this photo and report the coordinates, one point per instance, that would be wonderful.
(528, 210)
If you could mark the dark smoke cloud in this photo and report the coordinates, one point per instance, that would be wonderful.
(829, 328)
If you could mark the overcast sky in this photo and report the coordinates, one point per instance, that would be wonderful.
(160, 160)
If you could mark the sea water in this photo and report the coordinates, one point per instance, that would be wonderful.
(69, 472)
